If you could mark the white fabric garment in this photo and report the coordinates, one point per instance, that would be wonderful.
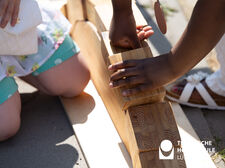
(216, 81)
(51, 34)
(22, 38)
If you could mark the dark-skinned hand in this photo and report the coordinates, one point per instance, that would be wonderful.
(141, 75)
(124, 32)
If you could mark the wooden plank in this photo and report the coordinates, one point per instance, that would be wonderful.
(95, 131)
(94, 55)
(194, 151)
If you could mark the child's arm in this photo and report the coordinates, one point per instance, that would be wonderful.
(206, 27)
(123, 26)
(9, 10)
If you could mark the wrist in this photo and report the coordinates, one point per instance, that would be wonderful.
(174, 66)
(171, 66)
(122, 12)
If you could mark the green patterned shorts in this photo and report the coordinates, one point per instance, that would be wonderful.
(65, 51)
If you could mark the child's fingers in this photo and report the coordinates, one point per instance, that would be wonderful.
(147, 28)
(141, 35)
(3, 7)
(3, 21)
(144, 35)
(122, 65)
(134, 80)
(124, 73)
(7, 15)
(139, 26)
(15, 13)
(149, 33)
(144, 32)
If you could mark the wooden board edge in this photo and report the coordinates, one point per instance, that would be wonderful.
(190, 141)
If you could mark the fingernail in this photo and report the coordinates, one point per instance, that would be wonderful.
(111, 84)
(124, 93)
(3, 25)
(110, 67)
(13, 24)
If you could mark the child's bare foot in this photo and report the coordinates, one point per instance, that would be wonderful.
(196, 97)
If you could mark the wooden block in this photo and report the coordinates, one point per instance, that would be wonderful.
(149, 125)
(118, 55)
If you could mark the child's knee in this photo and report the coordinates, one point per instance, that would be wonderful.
(70, 88)
(78, 86)
(9, 129)
(10, 117)
(9, 124)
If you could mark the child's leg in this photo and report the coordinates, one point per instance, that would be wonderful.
(10, 107)
(64, 73)
(67, 79)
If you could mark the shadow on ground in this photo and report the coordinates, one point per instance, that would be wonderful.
(44, 140)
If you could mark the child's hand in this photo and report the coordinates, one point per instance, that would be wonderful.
(144, 32)
(9, 10)
(124, 33)
(142, 75)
